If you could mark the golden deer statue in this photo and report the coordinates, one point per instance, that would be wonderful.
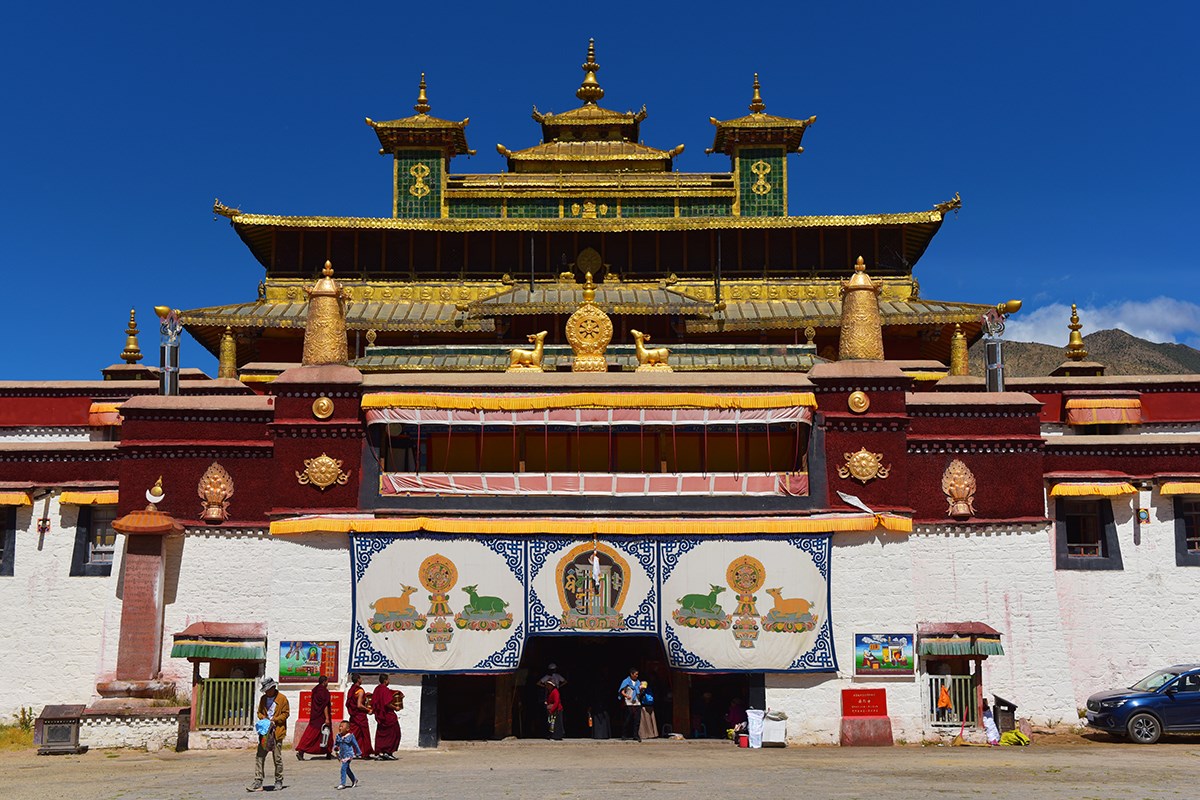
(527, 360)
(652, 359)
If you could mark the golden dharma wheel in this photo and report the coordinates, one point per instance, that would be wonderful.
(858, 402)
(322, 407)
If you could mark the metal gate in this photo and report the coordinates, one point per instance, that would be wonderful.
(226, 704)
(961, 690)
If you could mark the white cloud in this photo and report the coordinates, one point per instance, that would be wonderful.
(1160, 319)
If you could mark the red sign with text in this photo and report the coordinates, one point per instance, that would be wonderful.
(337, 705)
(864, 702)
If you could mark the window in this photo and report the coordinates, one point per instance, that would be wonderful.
(95, 541)
(8, 540)
(1187, 531)
(1086, 535)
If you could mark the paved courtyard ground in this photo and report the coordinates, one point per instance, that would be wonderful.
(1082, 770)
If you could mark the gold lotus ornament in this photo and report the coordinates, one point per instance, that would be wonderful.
(864, 466)
(958, 484)
(215, 489)
(322, 472)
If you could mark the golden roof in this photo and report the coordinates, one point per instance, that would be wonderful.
(589, 115)
(756, 315)
(422, 130)
(758, 127)
(590, 151)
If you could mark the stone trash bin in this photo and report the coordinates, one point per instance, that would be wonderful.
(1005, 713)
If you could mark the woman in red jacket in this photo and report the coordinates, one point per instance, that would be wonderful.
(554, 712)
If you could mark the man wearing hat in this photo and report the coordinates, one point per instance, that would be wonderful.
(272, 729)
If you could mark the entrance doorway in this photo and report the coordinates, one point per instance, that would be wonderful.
(594, 666)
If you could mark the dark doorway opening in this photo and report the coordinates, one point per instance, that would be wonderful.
(594, 666)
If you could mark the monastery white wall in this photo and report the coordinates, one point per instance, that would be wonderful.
(1121, 625)
(891, 583)
(298, 586)
(56, 626)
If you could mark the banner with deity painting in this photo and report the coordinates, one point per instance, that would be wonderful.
(430, 603)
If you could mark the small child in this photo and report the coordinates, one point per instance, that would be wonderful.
(346, 747)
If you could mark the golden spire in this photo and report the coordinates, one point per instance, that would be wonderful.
(959, 362)
(589, 91)
(589, 288)
(1075, 349)
(325, 328)
(422, 106)
(132, 353)
(227, 361)
(861, 329)
(757, 106)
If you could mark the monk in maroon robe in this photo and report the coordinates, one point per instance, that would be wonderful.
(321, 716)
(385, 701)
(357, 709)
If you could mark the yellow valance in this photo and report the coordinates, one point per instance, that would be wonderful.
(926, 376)
(1104, 402)
(589, 527)
(1179, 487)
(461, 402)
(15, 499)
(105, 498)
(1109, 489)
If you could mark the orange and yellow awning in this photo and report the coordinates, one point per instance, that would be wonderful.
(540, 402)
(1104, 411)
(15, 499)
(1093, 489)
(107, 497)
(1170, 488)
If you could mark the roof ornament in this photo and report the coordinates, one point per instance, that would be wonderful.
(861, 327)
(422, 106)
(589, 91)
(1076, 351)
(589, 330)
(132, 352)
(325, 328)
(757, 106)
(227, 361)
(960, 363)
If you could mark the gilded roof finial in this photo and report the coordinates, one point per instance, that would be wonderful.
(959, 360)
(589, 330)
(132, 352)
(589, 91)
(1075, 348)
(861, 335)
(589, 288)
(422, 106)
(757, 106)
(325, 328)
(227, 360)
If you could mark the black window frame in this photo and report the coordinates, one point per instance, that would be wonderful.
(8, 540)
(1110, 558)
(81, 554)
(1184, 557)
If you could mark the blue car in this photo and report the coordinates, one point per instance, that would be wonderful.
(1167, 701)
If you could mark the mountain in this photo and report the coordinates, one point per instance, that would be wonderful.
(1118, 351)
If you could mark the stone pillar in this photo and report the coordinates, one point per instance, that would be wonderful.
(139, 655)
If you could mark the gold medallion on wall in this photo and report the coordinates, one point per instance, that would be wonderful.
(322, 407)
(322, 472)
(858, 402)
(864, 466)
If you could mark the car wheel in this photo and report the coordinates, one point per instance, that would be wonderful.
(1144, 728)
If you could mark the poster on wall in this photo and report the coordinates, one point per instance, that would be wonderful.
(883, 654)
(303, 662)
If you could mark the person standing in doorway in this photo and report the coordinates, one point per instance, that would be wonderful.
(272, 729)
(552, 678)
(629, 694)
(358, 707)
(554, 713)
(385, 702)
(318, 736)
(648, 726)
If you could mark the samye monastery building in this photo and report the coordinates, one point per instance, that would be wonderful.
(597, 412)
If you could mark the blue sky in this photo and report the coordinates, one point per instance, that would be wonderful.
(1069, 129)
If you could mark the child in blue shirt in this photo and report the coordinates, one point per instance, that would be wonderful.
(346, 747)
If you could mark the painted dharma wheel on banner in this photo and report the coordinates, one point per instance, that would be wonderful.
(746, 574)
(438, 574)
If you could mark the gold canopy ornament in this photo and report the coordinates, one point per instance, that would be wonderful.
(1076, 351)
(132, 352)
(958, 484)
(589, 330)
(959, 361)
(862, 332)
(325, 329)
(227, 363)
(215, 489)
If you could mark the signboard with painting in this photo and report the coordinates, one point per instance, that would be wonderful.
(302, 662)
(883, 654)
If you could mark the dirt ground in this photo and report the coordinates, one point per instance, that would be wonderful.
(1067, 765)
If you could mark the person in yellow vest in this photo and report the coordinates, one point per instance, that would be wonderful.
(273, 714)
